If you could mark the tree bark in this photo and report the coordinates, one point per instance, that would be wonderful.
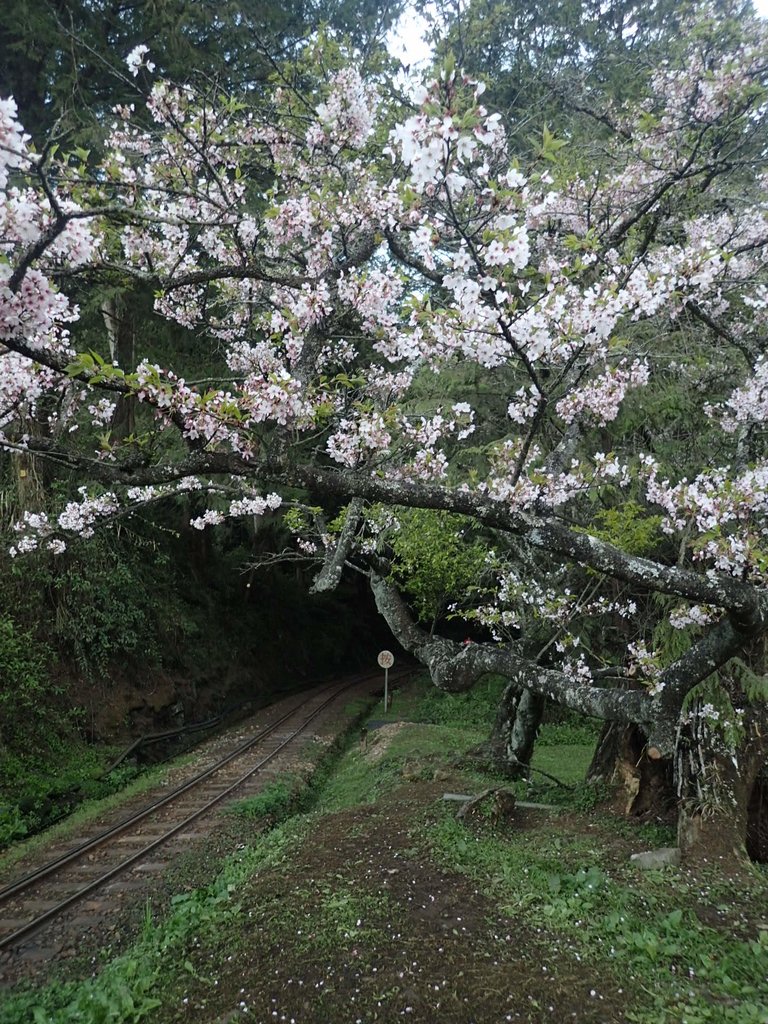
(336, 554)
(717, 786)
(525, 729)
(643, 785)
(122, 345)
(515, 730)
(602, 767)
(757, 819)
(30, 487)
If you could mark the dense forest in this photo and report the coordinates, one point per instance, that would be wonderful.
(152, 625)
(287, 332)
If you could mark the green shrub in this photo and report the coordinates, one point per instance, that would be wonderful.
(107, 607)
(274, 800)
(26, 689)
(13, 825)
(477, 707)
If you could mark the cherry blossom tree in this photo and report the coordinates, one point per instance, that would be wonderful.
(341, 252)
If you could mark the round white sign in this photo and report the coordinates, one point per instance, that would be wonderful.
(386, 659)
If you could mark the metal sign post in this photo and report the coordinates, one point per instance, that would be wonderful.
(386, 660)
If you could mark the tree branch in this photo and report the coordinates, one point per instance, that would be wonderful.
(456, 667)
(747, 605)
(706, 656)
(335, 556)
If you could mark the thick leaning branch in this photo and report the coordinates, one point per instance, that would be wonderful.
(456, 667)
(706, 656)
(333, 565)
(747, 605)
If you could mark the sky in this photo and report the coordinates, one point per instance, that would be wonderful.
(405, 40)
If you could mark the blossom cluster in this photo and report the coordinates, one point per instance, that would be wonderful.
(729, 512)
(337, 281)
(13, 141)
(434, 144)
(78, 517)
(603, 396)
(255, 505)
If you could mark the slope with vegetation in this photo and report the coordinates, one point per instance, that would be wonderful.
(321, 301)
(371, 901)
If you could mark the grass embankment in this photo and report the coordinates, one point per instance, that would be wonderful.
(377, 904)
(117, 789)
(41, 787)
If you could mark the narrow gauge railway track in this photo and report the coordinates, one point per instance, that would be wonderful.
(36, 899)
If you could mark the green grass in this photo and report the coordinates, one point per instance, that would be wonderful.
(363, 779)
(356, 708)
(566, 880)
(564, 747)
(475, 708)
(274, 800)
(644, 929)
(568, 762)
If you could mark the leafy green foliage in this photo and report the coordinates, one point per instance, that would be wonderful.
(629, 527)
(475, 708)
(45, 782)
(520, 49)
(13, 825)
(437, 560)
(102, 601)
(107, 608)
(273, 801)
(27, 690)
(754, 686)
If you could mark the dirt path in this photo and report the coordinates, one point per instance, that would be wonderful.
(378, 905)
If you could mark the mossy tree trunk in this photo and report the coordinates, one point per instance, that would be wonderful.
(717, 784)
(643, 785)
(515, 730)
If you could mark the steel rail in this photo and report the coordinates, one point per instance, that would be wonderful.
(34, 925)
(14, 888)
